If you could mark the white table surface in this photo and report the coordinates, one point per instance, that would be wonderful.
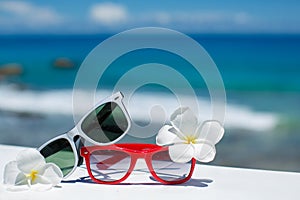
(208, 182)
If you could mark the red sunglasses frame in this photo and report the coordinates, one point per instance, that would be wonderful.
(136, 151)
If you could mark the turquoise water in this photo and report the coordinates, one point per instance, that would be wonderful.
(246, 62)
(260, 73)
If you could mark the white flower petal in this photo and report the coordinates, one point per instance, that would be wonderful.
(41, 187)
(11, 172)
(204, 152)
(165, 136)
(181, 153)
(185, 121)
(13, 178)
(211, 131)
(21, 179)
(51, 175)
(41, 180)
(30, 159)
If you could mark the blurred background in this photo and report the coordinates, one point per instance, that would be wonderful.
(255, 44)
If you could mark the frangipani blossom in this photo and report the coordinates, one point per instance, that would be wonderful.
(30, 170)
(188, 139)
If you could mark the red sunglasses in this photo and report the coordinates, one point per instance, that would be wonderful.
(114, 163)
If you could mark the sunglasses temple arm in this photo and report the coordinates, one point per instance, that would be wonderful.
(79, 142)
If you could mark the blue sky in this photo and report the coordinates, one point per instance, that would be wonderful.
(91, 16)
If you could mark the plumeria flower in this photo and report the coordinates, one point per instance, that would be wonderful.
(188, 139)
(30, 170)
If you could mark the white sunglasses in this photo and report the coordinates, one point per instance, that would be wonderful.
(105, 124)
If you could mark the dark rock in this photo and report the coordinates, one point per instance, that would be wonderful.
(63, 63)
(11, 69)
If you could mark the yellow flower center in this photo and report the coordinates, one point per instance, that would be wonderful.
(190, 140)
(32, 175)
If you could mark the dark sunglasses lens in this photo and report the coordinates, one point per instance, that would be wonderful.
(168, 170)
(60, 153)
(106, 124)
(109, 165)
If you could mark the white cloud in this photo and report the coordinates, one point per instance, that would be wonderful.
(201, 17)
(22, 16)
(117, 16)
(27, 14)
(215, 21)
(109, 13)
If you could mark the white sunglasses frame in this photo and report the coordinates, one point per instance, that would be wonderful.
(77, 131)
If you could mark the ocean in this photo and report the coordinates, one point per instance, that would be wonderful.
(260, 74)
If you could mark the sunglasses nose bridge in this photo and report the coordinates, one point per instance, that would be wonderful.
(140, 164)
(142, 160)
(73, 132)
(138, 156)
